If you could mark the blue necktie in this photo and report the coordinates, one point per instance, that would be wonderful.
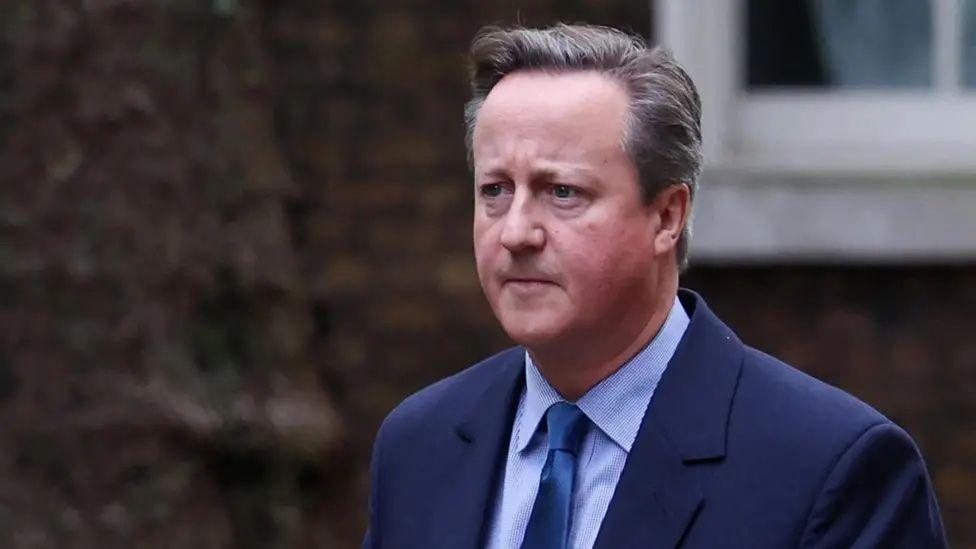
(550, 520)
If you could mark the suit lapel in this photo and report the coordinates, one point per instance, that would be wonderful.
(472, 462)
(655, 500)
(659, 496)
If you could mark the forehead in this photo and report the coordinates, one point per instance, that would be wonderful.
(570, 112)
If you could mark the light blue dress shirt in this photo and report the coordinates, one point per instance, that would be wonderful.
(615, 407)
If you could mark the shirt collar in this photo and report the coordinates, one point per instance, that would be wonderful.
(617, 404)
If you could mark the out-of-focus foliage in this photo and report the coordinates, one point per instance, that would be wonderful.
(155, 373)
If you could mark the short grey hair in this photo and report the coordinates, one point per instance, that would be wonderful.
(663, 136)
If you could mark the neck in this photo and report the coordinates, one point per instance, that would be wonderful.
(575, 369)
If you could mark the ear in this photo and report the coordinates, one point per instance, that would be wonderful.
(673, 204)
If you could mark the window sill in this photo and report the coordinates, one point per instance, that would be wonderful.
(748, 217)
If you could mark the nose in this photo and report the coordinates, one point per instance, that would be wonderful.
(522, 230)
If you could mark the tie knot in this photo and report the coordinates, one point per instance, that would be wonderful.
(566, 424)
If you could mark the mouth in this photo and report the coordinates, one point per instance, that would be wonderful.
(527, 282)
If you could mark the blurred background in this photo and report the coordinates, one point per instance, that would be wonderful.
(236, 233)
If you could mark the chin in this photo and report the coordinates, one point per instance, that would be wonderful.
(531, 330)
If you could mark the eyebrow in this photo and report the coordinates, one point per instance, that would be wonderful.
(545, 173)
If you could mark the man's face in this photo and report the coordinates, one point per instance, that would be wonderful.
(562, 239)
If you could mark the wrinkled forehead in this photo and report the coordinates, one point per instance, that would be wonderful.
(574, 112)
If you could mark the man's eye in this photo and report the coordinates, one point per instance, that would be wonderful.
(563, 191)
(491, 190)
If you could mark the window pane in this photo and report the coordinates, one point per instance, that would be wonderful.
(839, 43)
(969, 45)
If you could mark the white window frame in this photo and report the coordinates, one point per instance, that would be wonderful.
(895, 171)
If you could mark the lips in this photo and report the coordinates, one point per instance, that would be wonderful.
(527, 286)
(527, 281)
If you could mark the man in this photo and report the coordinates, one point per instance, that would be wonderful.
(629, 416)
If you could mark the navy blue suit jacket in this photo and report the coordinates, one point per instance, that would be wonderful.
(737, 449)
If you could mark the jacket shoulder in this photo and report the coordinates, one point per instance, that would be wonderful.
(440, 401)
(795, 410)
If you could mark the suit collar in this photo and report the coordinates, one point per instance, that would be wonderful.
(497, 398)
(473, 460)
(658, 495)
(694, 398)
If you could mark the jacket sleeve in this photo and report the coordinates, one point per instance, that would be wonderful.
(878, 494)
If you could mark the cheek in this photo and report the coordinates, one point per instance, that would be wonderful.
(603, 257)
(485, 249)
